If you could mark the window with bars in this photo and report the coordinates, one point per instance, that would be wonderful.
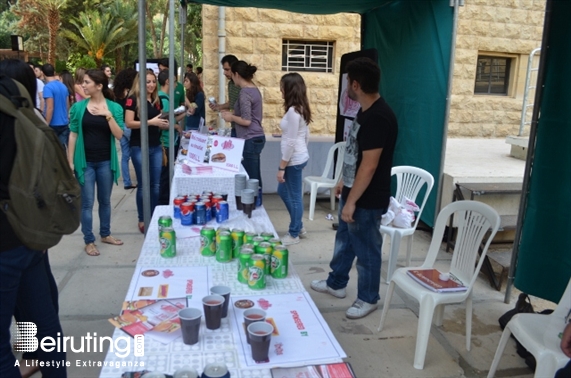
(310, 56)
(493, 75)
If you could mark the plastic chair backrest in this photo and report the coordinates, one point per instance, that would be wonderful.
(410, 181)
(339, 146)
(475, 221)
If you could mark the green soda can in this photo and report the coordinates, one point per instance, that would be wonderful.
(257, 240)
(280, 259)
(249, 237)
(207, 241)
(167, 238)
(243, 264)
(275, 241)
(265, 249)
(165, 221)
(267, 235)
(224, 247)
(247, 246)
(237, 241)
(256, 272)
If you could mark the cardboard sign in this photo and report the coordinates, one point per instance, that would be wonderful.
(226, 153)
(197, 147)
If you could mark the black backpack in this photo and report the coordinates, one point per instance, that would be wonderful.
(45, 197)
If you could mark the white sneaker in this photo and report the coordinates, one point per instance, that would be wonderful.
(321, 287)
(360, 309)
(302, 233)
(289, 240)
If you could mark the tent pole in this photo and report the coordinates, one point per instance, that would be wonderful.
(455, 4)
(143, 114)
(221, 53)
(530, 149)
(172, 85)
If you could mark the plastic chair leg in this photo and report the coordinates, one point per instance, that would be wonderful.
(546, 366)
(438, 315)
(312, 199)
(332, 195)
(386, 305)
(469, 322)
(501, 346)
(393, 255)
(425, 315)
(409, 250)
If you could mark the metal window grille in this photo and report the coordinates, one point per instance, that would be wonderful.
(492, 75)
(307, 56)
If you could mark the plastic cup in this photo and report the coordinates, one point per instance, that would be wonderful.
(253, 315)
(212, 305)
(225, 292)
(185, 372)
(190, 324)
(260, 337)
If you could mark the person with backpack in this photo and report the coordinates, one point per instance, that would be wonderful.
(95, 123)
(27, 287)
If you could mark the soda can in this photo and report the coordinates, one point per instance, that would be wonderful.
(224, 208)
(267, 236)
(165, 221)
(207, 241)
(256, 272)
(265, 249)
(224, 247)
(206, 195)
(215, 370)
(219, 230)
(176, 205)
(237, 241)
(275, 241)
(200, 213)
(247, 246)
(243, 264)
(249, 237)
(186, 214)
(280, 259)
(207, 210)
(257, 240)
(212, 100)
(167, 239)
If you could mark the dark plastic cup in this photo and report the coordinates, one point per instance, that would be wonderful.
(253, 315)
(225, 292)
(260, 337)
(190, 324)
(212, 305)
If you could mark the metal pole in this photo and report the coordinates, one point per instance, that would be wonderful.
(530, 149)
(455, 4)
(221, 53)
(143, 114)
(526, 92)
(172, 85)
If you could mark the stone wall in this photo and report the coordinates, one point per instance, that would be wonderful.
(255, 36)
(496, 27)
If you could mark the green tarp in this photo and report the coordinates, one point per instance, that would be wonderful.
(544, 264)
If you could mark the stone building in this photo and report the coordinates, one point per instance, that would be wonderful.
(493, 43)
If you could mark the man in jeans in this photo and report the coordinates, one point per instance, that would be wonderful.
(364, 191)
(56, 97)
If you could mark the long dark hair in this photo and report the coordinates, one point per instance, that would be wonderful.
(67, 80)
(98, 78)
(123, 80)
(22, 73)
(195, 86)
(295, 94)
(245, 70)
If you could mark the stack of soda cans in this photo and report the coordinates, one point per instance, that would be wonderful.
(200, 209)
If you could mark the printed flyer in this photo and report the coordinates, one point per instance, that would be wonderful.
(169, 282)
(226, 153)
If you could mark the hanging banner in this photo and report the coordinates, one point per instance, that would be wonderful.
(226, 153)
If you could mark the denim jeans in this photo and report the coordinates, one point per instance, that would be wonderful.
(62, 133)
(24, 284)
(252, 149)
(290, 193)
(96, 173)
(361, 239)
(125, 156)
(155, 165)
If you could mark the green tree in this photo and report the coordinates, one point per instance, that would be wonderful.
(193, 34)
(125, 12)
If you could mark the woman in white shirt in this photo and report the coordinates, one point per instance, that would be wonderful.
(295, 135)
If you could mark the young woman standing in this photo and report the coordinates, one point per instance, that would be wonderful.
(295, 136)
(194, 101)
(95, 123)
(248, 117)
(155, 125)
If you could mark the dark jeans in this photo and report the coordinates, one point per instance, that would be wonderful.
(99, 173)
(290, 193)
(25, 285)
(252, 149)
(164, 187)
(62, 133)
(125, 156)
(155, 166)
(361, 239)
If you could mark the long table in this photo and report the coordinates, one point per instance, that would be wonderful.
(303, 337)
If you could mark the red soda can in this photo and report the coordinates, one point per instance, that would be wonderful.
(176, 206)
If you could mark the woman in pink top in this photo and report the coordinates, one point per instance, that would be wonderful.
(78, 86)
(295, 136)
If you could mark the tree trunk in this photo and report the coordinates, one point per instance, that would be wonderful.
(163, 32)
(53, 26)
(153, 34)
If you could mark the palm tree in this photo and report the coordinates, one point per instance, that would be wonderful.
(99, 34)
(126, 12)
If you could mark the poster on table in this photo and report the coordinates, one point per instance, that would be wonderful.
(301, 335)
(226, 153)
(197, 145)
(189, 282)
(347, 106)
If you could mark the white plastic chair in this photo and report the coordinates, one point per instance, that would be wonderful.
(410, 181)
(539, 335)
(316, 182)
(477, 224)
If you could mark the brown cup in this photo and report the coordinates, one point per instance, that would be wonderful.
(190, 324)
(260, 334)
(239, 203)
(253, 315)
(247, 208)
(212, 305)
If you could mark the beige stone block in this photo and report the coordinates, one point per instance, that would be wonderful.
(272, 95)
(502, 14)
(245, 14)
(535, 18)
(209, 27)
(321, 96)
(332, 33)
(260, 29)
(268, 46)
(209, 12)
(273, 62)
(234, 29)
(504, 130)
(454, 129)
(483, 116)
(519, 16)
(274, 16)
(538, 5)
(310, 31)
(468, 42)
(461, 115)
(488, 130)
(288, 31)
(239, 46)
(464, 86)
(265, 79)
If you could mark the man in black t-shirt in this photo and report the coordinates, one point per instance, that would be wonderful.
(364, 191)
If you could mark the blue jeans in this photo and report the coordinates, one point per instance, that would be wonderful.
(24, 284)
(290, 193)
(96, 173)
(252, 149)
(155, 166)
(125, 156)
(361, 239)
(62, 133)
